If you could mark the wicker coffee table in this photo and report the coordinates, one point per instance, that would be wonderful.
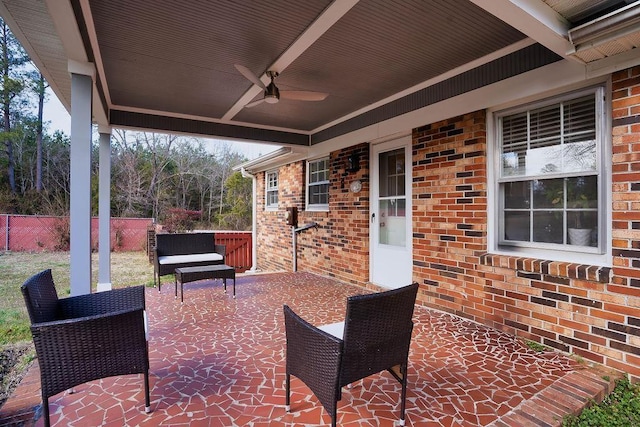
(191, 274)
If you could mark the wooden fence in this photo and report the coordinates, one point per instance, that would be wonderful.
(239, 248)
(238, 245)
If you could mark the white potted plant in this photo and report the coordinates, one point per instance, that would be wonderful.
(579, 234)
(582, 195)
(580, 204)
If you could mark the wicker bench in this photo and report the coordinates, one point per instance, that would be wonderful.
(191, 274)
(178, 250)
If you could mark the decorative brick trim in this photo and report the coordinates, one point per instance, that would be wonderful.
(537, 266)
(626, 121)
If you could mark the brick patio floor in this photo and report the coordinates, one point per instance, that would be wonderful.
(216, 361)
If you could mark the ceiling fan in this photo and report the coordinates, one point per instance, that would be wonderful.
(271, 92)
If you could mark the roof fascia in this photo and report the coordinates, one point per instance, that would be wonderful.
(280, 157)
(535, 19)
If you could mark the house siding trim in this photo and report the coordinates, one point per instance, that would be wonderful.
(521, 61)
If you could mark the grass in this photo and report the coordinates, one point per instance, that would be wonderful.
(127, 269)
(14, 327)
(621, 409)
(16, 348)
(535, 346)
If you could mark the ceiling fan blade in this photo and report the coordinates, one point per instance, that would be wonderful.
(254, 103)
(250, 76)
(303, 95)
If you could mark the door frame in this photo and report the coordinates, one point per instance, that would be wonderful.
(406, 265)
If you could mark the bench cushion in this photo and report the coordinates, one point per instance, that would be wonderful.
(183, 259)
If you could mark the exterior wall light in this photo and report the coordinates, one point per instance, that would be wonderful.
(354, 162)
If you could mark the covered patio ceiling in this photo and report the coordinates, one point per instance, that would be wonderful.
(170, 66)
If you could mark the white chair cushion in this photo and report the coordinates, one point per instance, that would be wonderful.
(183, 259)
(335, 329)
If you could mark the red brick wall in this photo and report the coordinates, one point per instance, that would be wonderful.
(449, 213)
(339, 246)
(622, 296)
(274, 236)
(31, 233)
(590, 311)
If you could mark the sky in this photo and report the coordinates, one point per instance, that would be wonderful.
(59, 119)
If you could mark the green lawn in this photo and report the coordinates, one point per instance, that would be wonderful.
(16, 347)
(127, 269)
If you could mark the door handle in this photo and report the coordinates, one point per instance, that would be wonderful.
(373, 217)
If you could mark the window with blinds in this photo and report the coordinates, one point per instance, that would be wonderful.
(559, 138)
(549, 176)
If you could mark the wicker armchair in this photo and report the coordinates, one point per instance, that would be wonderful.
(374, 337)
(87, 337)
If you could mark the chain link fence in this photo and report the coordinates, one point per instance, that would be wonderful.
(30, 233)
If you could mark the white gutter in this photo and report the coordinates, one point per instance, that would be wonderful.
(275, 159)
(254, 219)
(267, 158)
(617, 24)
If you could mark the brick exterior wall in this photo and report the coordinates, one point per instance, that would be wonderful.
(274, 236)
(590, 311)
(339, 246)
(622, 295)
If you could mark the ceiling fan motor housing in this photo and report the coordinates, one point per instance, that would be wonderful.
(271, 93)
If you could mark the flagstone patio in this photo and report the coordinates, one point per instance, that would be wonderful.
(219, 361)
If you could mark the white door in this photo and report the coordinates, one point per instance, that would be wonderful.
(390, 217)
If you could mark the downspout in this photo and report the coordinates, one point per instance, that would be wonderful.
(254, 219)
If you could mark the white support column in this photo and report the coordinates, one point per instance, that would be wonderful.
(104, 210)
(80, 180)
(254, 220)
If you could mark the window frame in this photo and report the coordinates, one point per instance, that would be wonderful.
(317, 207)
(600, 255)
(269, 190)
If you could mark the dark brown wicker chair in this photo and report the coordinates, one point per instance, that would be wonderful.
(376, 337)
(87, 337)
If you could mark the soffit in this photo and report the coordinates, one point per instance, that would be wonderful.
(159, 56)
(170, 65)
(581, 12)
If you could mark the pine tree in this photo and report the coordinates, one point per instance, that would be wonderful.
(12, 87)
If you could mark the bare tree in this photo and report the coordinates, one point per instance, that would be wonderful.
(40, 86)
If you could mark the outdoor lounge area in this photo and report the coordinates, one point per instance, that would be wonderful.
(219, 361)
(484, 149)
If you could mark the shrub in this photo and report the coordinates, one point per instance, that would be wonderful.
(62, 234)
(620, 408)
(178, 220)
